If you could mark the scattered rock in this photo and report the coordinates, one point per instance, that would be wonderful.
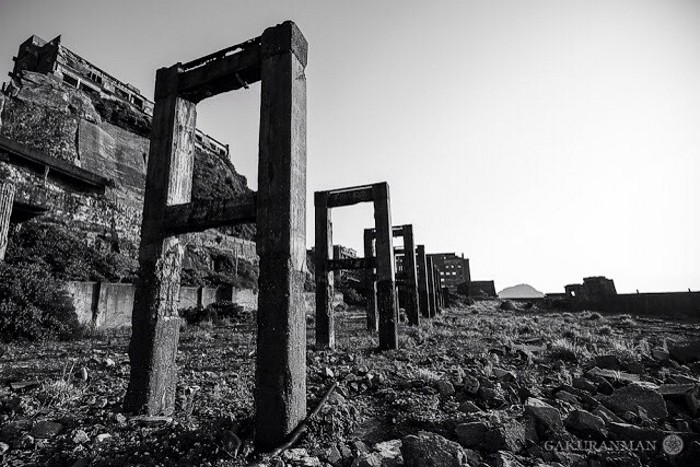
(471, 385)
(46, 429)
(80, 437)
(508, 437)
(685, 352)
(508, 305)
(503, 375)
(446, 388)
(583, 384)
(685, 393)
(634, 396)
(102, 437)
(4, 448)
(430, 449)
(608, 362)
(629, 432)
(471, 434)
(585, 423)
(661, 355)
(468, 407)
(548, 418)
(24, 442)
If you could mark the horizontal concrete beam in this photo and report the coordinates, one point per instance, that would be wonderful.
(62, 167)
(350, 196)
(396, 231)
(224, 74)
(351, 263)
(206, 214)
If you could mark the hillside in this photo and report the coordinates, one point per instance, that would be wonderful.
(520, 291)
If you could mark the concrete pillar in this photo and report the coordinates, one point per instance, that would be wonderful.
(423, 298)
(370, 284)
(7, 197)
(280, 379)
(325, 321)
(438, 288)
(430, 271)
(386, 284)
(155, 321)
(409, 265)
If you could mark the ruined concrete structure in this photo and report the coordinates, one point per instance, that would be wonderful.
(53, 58)
(592, 288)
(452, 269)
(380, 260)
(477, 289)
(77, 153)
(406, 273)
(277, 59)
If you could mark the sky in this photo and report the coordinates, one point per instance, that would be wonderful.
(546, 140)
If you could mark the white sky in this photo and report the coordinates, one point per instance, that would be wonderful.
(547, 140)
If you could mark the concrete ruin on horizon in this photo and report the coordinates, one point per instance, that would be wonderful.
(277, 59)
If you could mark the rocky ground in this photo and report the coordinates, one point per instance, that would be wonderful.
(478, 385)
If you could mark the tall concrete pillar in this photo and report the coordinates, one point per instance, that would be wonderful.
(431, 287)
(386, 285)
(370, 284)
(421, 267)
(7, 197)
(155, 320)
(409, 264)
(280, 379)
(325, 322)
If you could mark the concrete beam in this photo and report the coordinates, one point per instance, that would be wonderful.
(351, 263)
(349, 196)
(200, 215)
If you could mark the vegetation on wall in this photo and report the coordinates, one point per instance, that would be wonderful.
(33, 304)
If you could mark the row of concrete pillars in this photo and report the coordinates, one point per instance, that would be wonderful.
(418, 284)
(277, 59)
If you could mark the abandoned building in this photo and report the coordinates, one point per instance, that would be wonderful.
(74, 144)
(453, 269)
(592, 288)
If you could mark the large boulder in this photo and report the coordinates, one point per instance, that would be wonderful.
(634, 397)
(431, 450)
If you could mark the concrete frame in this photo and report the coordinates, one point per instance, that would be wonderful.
(409, 284)
(382, 260)
(277, 59)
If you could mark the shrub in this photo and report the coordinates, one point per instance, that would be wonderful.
(66, 255)
(33, 304)
(215, 313)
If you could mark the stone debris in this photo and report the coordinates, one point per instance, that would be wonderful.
(633, 397)
(46, 429)
(548, 418)
(430, 449)
(686, 352)
(586, 424)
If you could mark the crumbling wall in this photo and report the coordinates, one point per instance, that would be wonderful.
(106, 138)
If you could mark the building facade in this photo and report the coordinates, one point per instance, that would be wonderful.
(453, 270)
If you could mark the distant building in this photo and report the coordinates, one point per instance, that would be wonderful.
(52, 58)
(453, 270)
(592, 288)
(342, 252)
